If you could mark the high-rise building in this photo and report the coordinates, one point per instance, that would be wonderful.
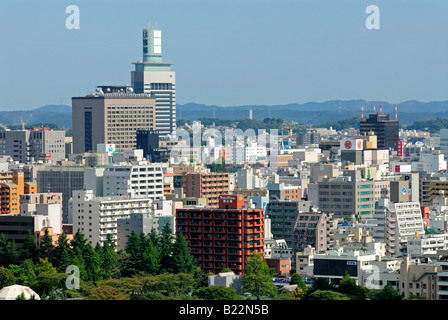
(385, 129)
(222, 237)
(155, 77)
(111, 115)
(33, 144)
(97, 217)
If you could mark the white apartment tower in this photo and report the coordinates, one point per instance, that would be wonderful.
(96, 217)
(155, 77)
(396, 223)
(137, 179)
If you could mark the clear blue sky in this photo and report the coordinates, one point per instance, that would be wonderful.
(233, 52)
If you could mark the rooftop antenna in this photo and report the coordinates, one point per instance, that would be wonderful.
(374, 109)
(396, 113)
(381, 109)
(362, 112)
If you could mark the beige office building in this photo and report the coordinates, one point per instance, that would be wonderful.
(111, 115)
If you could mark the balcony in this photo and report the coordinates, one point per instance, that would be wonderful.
(231, 245)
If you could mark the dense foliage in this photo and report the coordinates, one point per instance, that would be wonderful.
(151, 267)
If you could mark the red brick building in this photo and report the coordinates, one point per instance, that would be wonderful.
(222, 237)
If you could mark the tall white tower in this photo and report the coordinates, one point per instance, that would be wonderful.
(155, 77)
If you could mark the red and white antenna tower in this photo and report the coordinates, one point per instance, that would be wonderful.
(381, 109)
(362, 112)
(396, 113)
(374, 109)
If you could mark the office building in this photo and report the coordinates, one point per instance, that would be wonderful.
(345, 198)
(282, 215)
(111, 115)
(33, 144)
(308, 138)
(154, 77)
(149, 142)
(385, 129)
(61, 180)
(223, 237)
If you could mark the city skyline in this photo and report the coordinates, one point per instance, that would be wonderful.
(227, 54)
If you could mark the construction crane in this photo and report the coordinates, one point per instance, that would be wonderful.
(23, 123)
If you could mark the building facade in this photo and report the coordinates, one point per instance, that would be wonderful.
(385, 129)
(111, 115)
(154, 77)
(96, 217)
(222, 237)
(33, 144)
(345, 198)
(206, 185)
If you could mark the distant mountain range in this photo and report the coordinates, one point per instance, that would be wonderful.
(318, 112)
(58, 114)
(307, 113)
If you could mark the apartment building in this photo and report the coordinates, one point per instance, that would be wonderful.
(313, 229)
(206, 185)
(10, 192)
(96, 217)
(222, 237)
(137, 179)
(395, 224)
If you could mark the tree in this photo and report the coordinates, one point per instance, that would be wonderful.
(182, 260)
(109, 258)
(8, 252)
(6, 278)
(134, 255)
(348, 286)
(387, 293)
(257, 279)
(166, 249)
(93, 264)
(174, 286)
(29, 249)
(61, 254)
(297, 279)
(327, 295)
(116, 289)
(151, 259)
(24, 273)
(46, 245)
(217, 293)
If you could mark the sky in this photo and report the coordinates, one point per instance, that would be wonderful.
(228, 53)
